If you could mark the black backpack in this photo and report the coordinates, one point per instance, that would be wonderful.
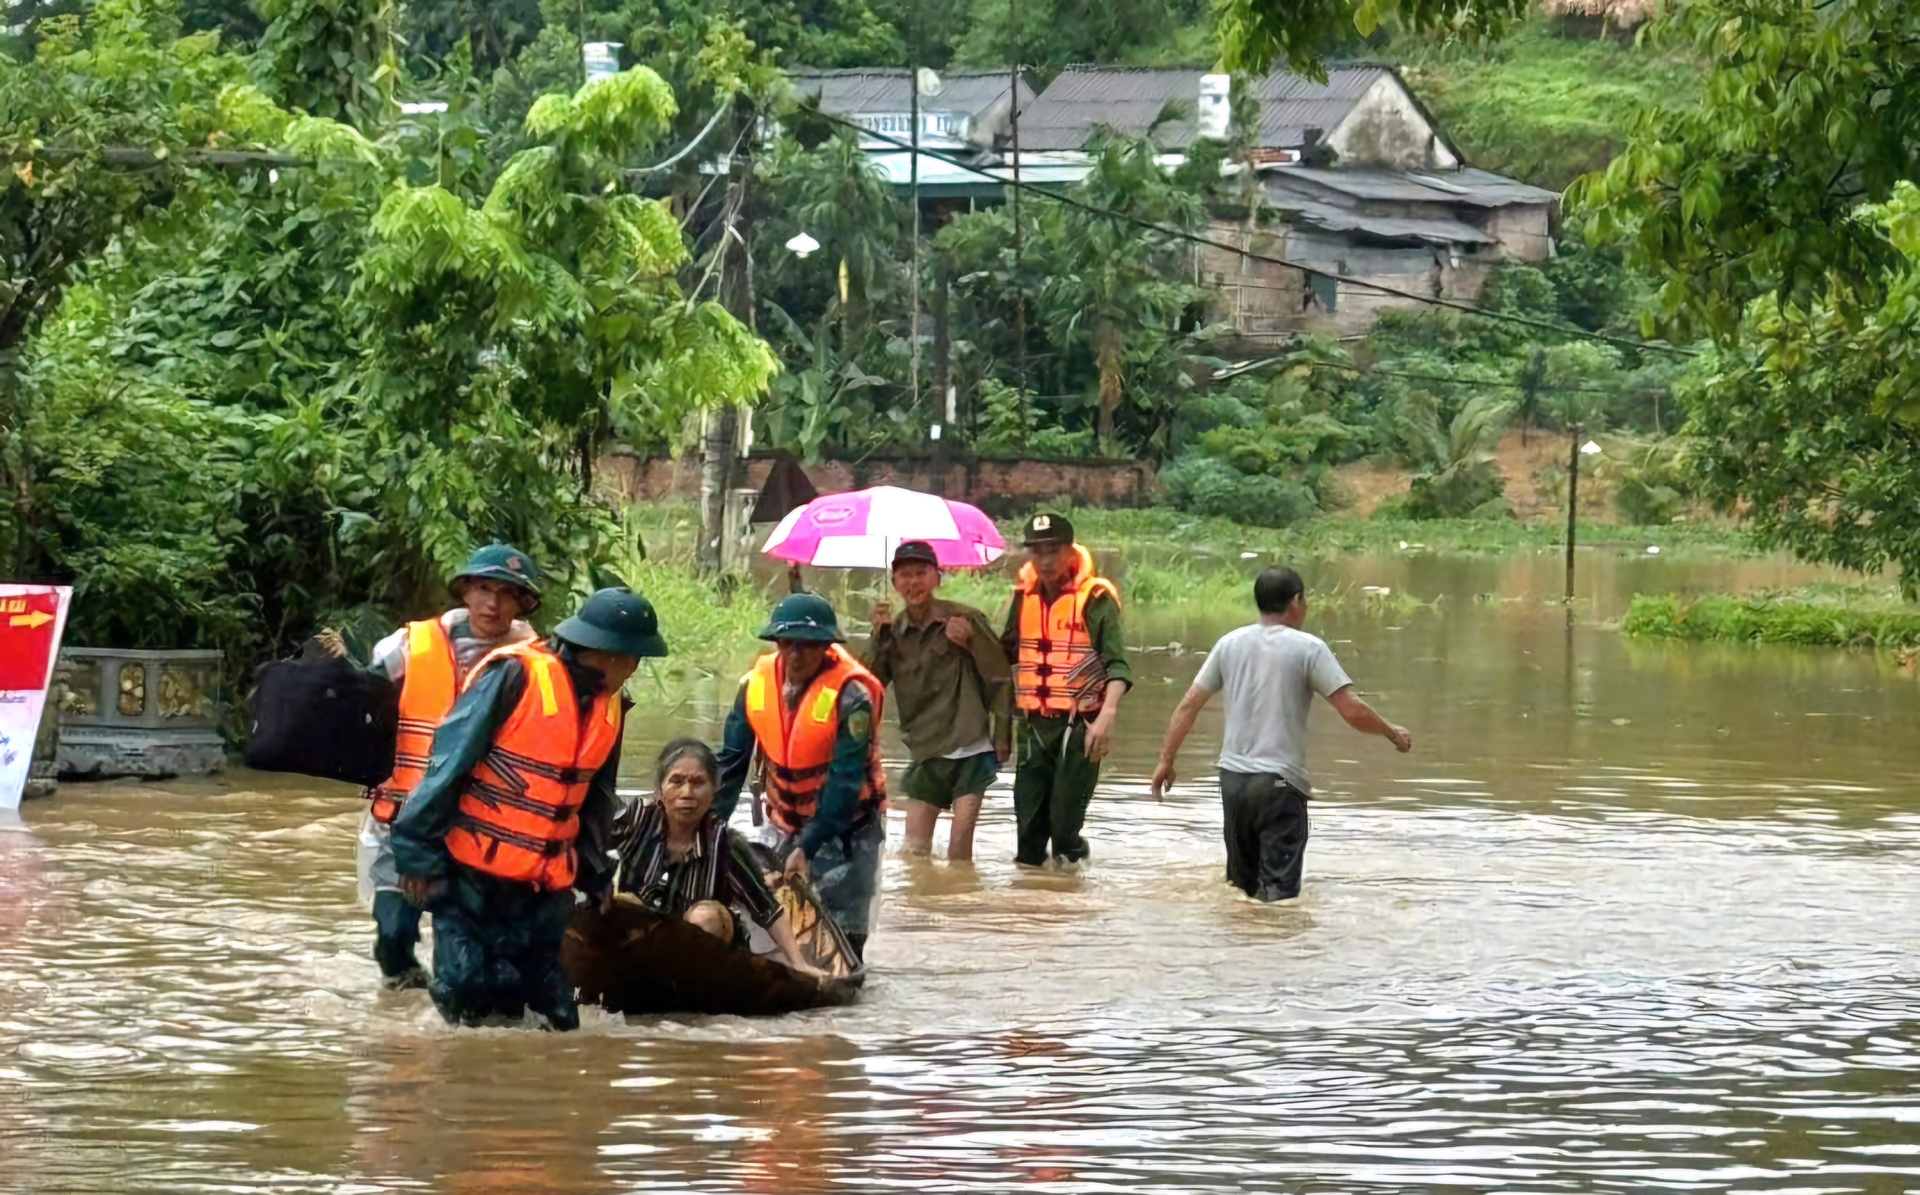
(325, 718)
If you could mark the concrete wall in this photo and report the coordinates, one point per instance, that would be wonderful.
(1525, 231)
(1386, 128)
(1001, 488)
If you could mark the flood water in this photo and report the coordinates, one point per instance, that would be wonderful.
(1631, 916)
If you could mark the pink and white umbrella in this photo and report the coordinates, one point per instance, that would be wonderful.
(862, 529)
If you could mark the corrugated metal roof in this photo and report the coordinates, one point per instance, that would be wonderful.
(1481, 188)
(1138, 100)
(868, 91)
(1340, 219)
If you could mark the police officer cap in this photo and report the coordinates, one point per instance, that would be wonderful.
(806, 617)
(1048, 529)
(502, 562)
(616, 620)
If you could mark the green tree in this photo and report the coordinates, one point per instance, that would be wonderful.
(300, 392)
(1049, 35)
(1110, 315)
(335, 59)
(110, 118)
(837, 195)
(1254, 34)
(1778, 216)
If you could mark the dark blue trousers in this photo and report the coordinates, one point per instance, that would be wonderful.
(496, 952)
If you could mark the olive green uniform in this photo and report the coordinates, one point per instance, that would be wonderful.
(955, 703)
(1054, 780)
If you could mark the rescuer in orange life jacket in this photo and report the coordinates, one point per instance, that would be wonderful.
(515, 811)
(497, 588)
(814, 713)
(1069, 673)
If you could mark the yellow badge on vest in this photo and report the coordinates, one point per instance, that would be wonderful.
(756, 691)
(823, 704)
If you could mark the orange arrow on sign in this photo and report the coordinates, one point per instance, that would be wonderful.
(38, 618)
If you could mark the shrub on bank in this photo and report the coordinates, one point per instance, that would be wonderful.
(1821, 616)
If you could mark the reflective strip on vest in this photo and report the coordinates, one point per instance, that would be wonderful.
(798, 746)
(1058, 671)
(426, 698)
(519, 809)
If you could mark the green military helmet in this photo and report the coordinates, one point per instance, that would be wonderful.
(806, 617)
(502, 562)
(616, 620)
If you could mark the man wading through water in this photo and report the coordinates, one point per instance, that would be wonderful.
(810, 712)
(516, 809)
(430, 660)
(955, 697)
(1070, 672)
(1270, 672)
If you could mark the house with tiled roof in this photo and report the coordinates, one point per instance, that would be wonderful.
(1360, 186)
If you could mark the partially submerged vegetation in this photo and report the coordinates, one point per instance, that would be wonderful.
(1164, 560)
(1826, 615)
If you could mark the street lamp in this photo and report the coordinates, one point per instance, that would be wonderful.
(802, 244)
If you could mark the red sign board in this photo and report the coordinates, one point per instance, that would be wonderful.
(29, 626)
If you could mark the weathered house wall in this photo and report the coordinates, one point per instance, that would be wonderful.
(1387, 128)
(1265, 301)
(1525, 232)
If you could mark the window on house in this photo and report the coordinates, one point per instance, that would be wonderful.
(1325, 290)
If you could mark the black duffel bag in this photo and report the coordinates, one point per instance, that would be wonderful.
(324, 718)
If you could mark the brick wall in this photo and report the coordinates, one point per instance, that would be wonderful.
(1001, 488)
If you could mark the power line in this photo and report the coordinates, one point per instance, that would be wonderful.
(1313, 271)
(722, 110)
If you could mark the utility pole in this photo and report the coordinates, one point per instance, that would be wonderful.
(913, 192)
(1573, 505)
(1019, 287)
(720, 429)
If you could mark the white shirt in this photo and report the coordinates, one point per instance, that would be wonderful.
(390, 654)
(1270, 674)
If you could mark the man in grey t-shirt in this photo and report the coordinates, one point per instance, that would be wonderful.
(1270, 671)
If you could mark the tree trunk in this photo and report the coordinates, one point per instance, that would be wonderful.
(1112, 385)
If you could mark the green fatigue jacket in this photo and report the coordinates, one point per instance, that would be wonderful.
(846, 775)
(1103, 630)
(420, 830)
(949, 697)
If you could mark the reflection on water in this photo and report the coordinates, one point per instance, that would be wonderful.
(1645, 921)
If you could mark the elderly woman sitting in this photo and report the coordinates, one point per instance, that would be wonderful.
(678, 860)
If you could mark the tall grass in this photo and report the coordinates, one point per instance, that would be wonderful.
(1161, 559)
(1818, 615)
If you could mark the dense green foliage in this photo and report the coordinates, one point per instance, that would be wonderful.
(1543, 107)
(1302, 34)
(306, 387)
(1433, 394)
(1779, 216)
(1821, 616)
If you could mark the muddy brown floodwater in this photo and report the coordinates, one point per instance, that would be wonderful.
(1645, 921)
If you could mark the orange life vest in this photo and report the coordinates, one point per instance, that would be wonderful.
(1058, 671)
(798, 744)
(426, 698)
(519, 810)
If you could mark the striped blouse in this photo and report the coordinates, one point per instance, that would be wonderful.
(720, 867)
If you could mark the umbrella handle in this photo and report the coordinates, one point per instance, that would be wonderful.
(794, 583)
